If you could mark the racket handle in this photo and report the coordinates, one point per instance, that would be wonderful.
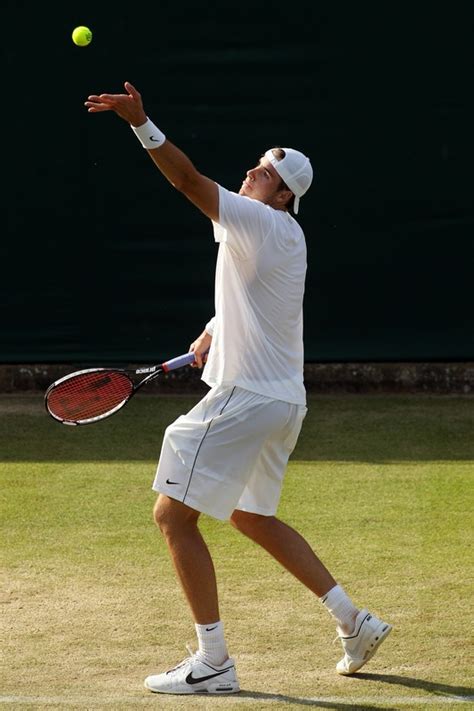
(178, 362)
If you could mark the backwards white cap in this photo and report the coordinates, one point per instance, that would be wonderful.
(295, 170)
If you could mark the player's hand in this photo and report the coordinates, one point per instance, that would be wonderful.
(200, 348)
(128, 106)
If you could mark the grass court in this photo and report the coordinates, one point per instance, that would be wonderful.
(380, 486)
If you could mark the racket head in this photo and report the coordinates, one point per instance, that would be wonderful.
(88, 395)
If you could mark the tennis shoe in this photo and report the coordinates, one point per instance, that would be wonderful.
(369, 633)
(195, 676)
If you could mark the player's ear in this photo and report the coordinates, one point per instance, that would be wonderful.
(284, 196)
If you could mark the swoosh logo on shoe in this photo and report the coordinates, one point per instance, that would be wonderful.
(172, 482)
(190, 679)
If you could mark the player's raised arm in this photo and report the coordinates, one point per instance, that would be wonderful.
(177, 168)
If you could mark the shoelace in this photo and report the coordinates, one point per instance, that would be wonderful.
(185, 660)
(339, 638)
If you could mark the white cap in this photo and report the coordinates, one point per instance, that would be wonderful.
(295, 170)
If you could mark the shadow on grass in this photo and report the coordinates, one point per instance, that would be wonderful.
(315, 703)
(449, 693)
(351, 429)
(461, 693)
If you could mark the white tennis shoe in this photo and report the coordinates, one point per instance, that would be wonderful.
(361, 645)
(194, 676)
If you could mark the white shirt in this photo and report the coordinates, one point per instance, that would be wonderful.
(257, 333)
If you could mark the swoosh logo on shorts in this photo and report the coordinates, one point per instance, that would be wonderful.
(172, 482)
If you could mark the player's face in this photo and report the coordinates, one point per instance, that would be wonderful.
(262, 182)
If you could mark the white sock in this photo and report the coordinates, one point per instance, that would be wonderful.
(212, 646)
(341, 608)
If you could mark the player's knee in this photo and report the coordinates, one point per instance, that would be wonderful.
(170, 515)
(240, 520)
(159, 514)
(250, 524)
(163, 514)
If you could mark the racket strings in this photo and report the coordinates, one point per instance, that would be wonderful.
(89, 395)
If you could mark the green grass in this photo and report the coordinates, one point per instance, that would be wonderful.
(380, 486)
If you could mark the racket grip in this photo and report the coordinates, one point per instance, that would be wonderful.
(178, 362)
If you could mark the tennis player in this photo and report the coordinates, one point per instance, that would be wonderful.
(228, 455)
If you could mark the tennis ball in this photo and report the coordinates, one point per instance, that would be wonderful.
(82, 36)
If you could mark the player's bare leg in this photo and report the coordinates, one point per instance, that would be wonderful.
(209, 670)
(360, 632)
(190, 556)
(288, 547)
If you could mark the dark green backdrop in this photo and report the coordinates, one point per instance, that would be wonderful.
(103, 261)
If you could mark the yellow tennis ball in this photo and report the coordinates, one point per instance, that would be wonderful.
(82, 36)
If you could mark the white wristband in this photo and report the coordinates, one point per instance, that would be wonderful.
(149, 135)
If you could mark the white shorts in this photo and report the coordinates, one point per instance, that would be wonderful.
(229, 452)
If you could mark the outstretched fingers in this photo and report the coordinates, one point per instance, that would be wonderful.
(131, 90)
(123, 104)
(128, 106)
(103, 102)
(94, 106)
(112, 97)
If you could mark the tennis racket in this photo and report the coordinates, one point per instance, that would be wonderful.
(91, 395)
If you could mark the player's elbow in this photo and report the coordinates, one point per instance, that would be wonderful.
(202, 192)
(178, 184)
(186, 183)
